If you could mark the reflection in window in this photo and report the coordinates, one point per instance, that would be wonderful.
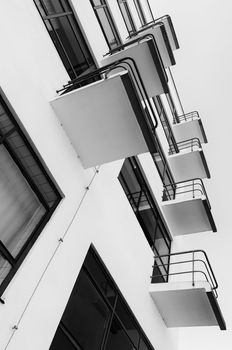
(96, 316)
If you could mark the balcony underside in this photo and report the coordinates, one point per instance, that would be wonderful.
(188, 130)
(159, 32)
(182, 305)
(104, 120)
(149, 65)
(187, 216)
(188, 165)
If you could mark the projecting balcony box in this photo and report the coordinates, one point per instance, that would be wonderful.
(104, 120)
(189, 162)
(186, 208)
(188, 126)
(159, 33)
(189, 297)
(142, 57)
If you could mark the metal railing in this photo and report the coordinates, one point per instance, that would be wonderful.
(195, 264)
(193, 187)
(186, 117)
(190, 145)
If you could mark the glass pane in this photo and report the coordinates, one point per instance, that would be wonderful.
(125, 317)
(101, 279)
(20, 209)
(117, 338)
(143, 346)
(86, 315)
(62, 342)
(107, 26)
(56, 6)
(5, 268)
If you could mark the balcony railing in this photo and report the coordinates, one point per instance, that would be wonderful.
(189, 189)
(185, 117)
(188, 145)
(190, 265)
(187, 295)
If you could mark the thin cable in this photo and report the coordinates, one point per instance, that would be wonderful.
(15, 327)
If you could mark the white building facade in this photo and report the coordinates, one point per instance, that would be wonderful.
(101, 170)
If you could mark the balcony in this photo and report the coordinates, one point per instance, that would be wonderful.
(167, 21)
(188, 126)
(143, 55)
(158, 31)
(186, 208)
(189, 162)
(189, 297)
(105, 120)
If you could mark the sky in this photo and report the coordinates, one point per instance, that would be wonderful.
(203, 75)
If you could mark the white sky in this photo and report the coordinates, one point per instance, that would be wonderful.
(203, 75)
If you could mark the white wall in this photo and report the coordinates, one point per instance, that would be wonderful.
(30, 72)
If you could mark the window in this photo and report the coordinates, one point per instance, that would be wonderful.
(106, 22)
(66, 35)
(127, 16)
(28, 196)
(146, 211)
(140, 12)
(96, 316)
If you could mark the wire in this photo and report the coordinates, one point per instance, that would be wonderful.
(60, 241)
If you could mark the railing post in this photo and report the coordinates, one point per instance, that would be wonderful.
(193, 190)
(193, 262)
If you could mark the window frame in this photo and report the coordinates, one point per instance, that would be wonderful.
(15, 262)
(111, 23)
(129, 16)
(75, 28)
(140, 12)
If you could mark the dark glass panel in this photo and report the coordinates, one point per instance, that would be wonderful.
(56, 6)
(101, 279)
(86, 315)
(70, 44)
(117, 338)
(125, 317)
(143, 346)
(62, 342)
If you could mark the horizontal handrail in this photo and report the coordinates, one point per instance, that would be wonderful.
(196, 185)
(191, 144)
(188, 116)
(207, 273)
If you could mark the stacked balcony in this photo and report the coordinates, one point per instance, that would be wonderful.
(187, 208)
(187, 295)
(188, 126)
(189, 162)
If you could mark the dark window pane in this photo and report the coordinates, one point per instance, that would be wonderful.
(86, 315)
(124, 315)
(117, 338)
(56, 6)
(66, 35)
(62, 342)
(143, 346)
(101, 279)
